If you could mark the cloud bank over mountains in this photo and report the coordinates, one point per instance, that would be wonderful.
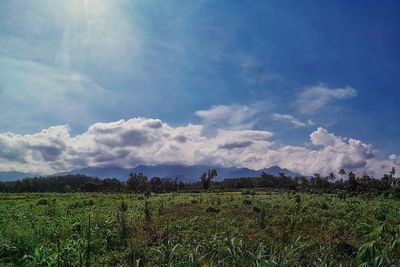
(128, 143)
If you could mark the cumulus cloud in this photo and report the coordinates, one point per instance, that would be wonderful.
(341, 153)
(290, 119)
(395, 159)
(40, 152)
(128, 143)
(315, 97)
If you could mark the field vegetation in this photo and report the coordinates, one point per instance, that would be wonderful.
(189, 225)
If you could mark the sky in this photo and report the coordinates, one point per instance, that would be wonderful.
(312, 86)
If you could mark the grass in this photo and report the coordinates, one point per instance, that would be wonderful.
(270, 228)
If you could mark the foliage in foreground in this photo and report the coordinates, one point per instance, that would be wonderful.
(265, 228)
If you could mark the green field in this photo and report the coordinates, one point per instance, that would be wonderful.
(270, 228)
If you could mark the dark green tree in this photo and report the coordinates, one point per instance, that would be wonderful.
(137, 182)
(342, 172)
(331, 177)
(206, 178)
(392, 173)
(352, 181)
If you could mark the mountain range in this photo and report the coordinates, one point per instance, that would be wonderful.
(13, 175)
(183, 172)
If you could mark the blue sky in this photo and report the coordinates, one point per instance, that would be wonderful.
(282, 67)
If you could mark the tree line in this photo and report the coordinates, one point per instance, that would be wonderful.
(342, 181)
(140, 183)
(137, 182)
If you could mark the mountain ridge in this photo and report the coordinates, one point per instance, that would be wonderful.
(13, 175)
(187, 173)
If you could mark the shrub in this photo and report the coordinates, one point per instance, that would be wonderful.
(342, 195)
(247, 201)
(345, 248)
(262, 219)
(249, 192)
(324, 206)
(212, 209)
(147, 212)
(42, 202)
(297, 199)
(256, 209)
(81, 204)
(161, 208)
(123, 227)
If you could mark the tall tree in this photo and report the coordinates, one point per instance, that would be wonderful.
(137, 182)
(206, 178)
(392, 173)
(352, 181)
(331, 177)
(342, 172)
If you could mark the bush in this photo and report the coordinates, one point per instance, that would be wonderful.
(249, 192)
(147, 212)
(247, 201)
(256, 209)
(42, 202)
(81, 204)
(342, 195)
(324, 206)
(297, 199)
(262, 219)
(345, 248)
(212, 209)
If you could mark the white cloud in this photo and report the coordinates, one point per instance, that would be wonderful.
(290, 119)
(41, 152)
(228, 116)
(323, 138)
(339, 153)
(395, 159)
(315, 97)
(128, 143)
